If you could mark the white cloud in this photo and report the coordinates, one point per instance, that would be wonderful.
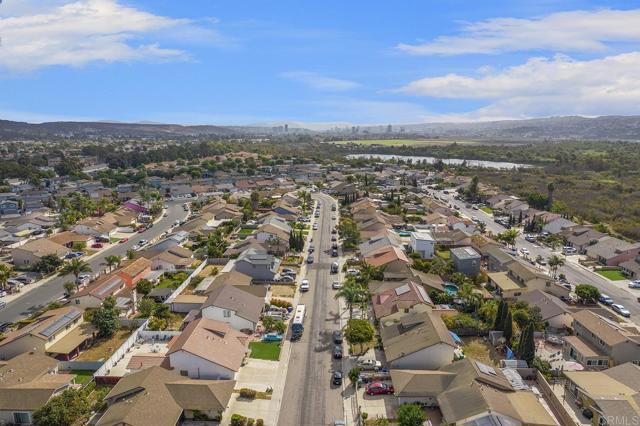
(320, 82)
(545, 86)
(84, 31)
(561, 32)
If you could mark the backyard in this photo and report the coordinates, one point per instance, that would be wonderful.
(479, 349)
(612, 274)
(83, 376)
(103, 349)
(278, 290)
(269, 351)
(172, 280)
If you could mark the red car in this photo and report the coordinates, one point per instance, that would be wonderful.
(378, 389)
(141, 230)
(122, 241)
(97, 245)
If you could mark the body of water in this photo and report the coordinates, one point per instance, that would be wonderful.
(449, 161)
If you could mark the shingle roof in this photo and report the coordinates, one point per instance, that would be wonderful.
(610, 332)
(202, 395)
(245, 304)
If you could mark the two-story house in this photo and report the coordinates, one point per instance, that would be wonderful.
(257, 264)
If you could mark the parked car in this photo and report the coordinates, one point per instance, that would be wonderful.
(337, 352)
(24, 279)
(333, 231)
(334, 253)
(369, 364)
(315, 226)
(288, 271)
(605, 300)
(310, 258)
(621, 310)
(569, 250)
(97, 245)
(124, 240)
(311, 249)
(336, 378)
(337, 337)
(333, 238)
(272, 337)
(524, 251)
(634, 284)
(304, 285)
(378, 388)
(352, 271)
(4, 326)
(336, 285)
(531, 238)
(287, 278)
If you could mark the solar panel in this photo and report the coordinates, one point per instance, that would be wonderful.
(402, 290)
(486, 369)
(60, 322)
(116, 282)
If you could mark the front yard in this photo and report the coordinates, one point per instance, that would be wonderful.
(283, 290)
(269, 351)
(613, 275)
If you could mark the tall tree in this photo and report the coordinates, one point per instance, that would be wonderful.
(76, 267)
(499, 319)
(555, 262)
(112, 260)
(526, 344)
(508, 327)
(352, 293)
(5, 274)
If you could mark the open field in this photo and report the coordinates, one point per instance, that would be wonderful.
(408, 142)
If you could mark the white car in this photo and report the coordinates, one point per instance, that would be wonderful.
(634, 284)
(336, 285)
(304, 285)
(524, 250)
(315, 226)
(621, 310)
(352, 271)
(369, 364)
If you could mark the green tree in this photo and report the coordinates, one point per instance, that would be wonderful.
(353, 294)
(146, 307)
(353, 374)
(5, 273)
(69, 288)
(498, 323)
(131, 254)
(526, 345)
(410, 415)
(76, 267)
(587, 293)
(508, 327)
(555, 262)
(112, 261)
(144, 286)
(48, 263)
(69, 408)
(509, 236)
(106, 318)
(359, 331)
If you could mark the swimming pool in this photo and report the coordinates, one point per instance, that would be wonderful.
(451, 289)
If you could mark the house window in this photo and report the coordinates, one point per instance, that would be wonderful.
(21, 418)
(226, 313)
(184, 373)
(77, 301)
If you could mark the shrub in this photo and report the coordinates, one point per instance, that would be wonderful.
(461, 321)
(281, 303)
(247, 393)
(238, 420)
(259, 422)
(250, 421)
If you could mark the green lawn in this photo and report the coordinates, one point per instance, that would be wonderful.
(246, 231)
(487, 210)
(265, 350)
(613, 275)
(443, 254)
(83, 376)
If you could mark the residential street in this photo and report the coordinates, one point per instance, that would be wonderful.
(53, 289)
(309, 397)
(575, 274)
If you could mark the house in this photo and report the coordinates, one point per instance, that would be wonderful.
(33, 251)
(553, 311)
(401, 298)
(558, 225)
(99, 227)
(142, 398)
(198, 397)
(423, 243)
(28, 382)
(387, 238)
(10, 206)
(611, 251)
(246, 244)
(392, 258)
(452, 238)
(60, 332)
(497, 259)
(274, 228)
(519, 279)
(173, 259)
(235, 306)
(612, 395)
(600, 343)
(133, 271)
(185, 303)
(631, 268)
(466, 260)
(95, 293)
(258, 265)
(469, 393)
(581, 237)
(208, 349)
(417, 341)
(69, 238)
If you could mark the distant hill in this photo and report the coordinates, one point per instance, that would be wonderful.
(581, 128)
(555, 128)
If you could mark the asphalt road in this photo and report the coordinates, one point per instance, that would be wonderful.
(52, 290)
(309, 397)
(575, 274)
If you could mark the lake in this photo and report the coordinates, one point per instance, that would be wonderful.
(449, 161)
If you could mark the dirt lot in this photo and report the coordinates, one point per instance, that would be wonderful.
(280, 291)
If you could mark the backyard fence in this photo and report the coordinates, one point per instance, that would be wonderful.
(556, 405)
(119, 353)
(185, 283)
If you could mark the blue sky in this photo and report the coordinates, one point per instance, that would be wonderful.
(362, 62)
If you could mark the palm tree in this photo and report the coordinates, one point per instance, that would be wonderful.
(488, 310)
(76, 267)
(69, 288)
(113, 260)
(5, 274)
(509, 236)
(555, 262)
(131, 254)
(353, 294)
(470, 296)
